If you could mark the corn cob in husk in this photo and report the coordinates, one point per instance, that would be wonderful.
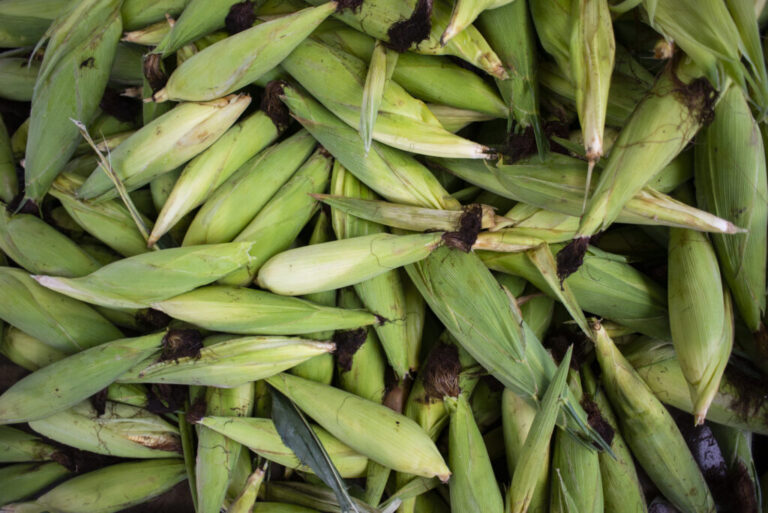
(20, 481)
(9, 184)
(198, 18)
(140, 13)
(18, 446)
(24, 22)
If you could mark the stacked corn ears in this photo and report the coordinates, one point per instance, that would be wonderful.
(378, 256)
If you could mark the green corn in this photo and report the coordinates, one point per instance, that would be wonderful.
(531, 486)
(453, 119)
(140, 280)
(341, 263)
(365, 426)
(237, 201)
(736, 446)
(240, 475)
(245, 501)
(132, 395)
(41, 249)
(217, 455)
(261, 437)
(380, 69)
(17, 78)
(384, 294)
(151, 35)
(731, 183)
(638, 156)
(61, 93)
(140, 13)
(700, 315)
(736, 403)
(650, 431)
(206, 172)
(122, 430)
(537, 310)
(309, 495)
(184, 131)
(109, 221)
(255, 312)
(392, 173)
(63, 384)
(24, 22)
(19, 140)
(282, 218)
(510, 33)
(552, 19)
(17, 447)
(276, 507)
(745, 16)
(240, 59)
(605, 286)
(56, 320)
(199, 17)
(473, 485)
(9, 185)
(23, 480)
(388, 20)
(359, 359)
(114, 488)
(528, 483)
(575, 470)
(402, 122)
(465, 12)
(228, 363)
(415, 316)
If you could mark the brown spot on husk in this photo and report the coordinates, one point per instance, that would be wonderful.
(744, 495)
(347, 343)
(240, 17)
(570, 258)
(561, 338)
(90, 62)
(152, 320)
(522, 143)
(120, 107)
(706, 452)
(410, 31)
(440, 373)
(322, 150)
(78, 461)
(596, 420)
(396, 392)
(749, 392)
(164, 398)
(197, 410)
(161, 443)
(20, 205)
(152, 67)
(273, 106)
(698, 96)
(180, 344)
(470, 224)
(353, 5)
(99, 402)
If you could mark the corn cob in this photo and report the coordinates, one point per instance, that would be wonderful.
(19, 139)
(406, 25)
(261, 437)
(240, 59)
(528, 484)
(23, 480)
(390, 172)
(167, 272)
(17, 78)
(248, 311)
(198, 18)
(273, 225)
(61, 322)
(359, 359)
(115, 487)
(18, 447)
(62, 94)
(415, 316)
(24, 22)
(245, 501)
(537, 312)
(132, 395)
(121, 430)
(380, 69)
(650, 431)
(185, 131)
(734, 404)
(733, 142)
(364, 425)
(140, 13)
(9, 185)
(228, 363)
(63, 384)
(150, 35)
(745, 17)
(384, 294)
(236, 202)
(217, 455)
(206, 172)
(241, 477)
(402, 122)
(40, 249)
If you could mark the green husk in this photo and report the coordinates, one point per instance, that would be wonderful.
(18, 446)
(23, 480)
(199, 17)
(9, 184)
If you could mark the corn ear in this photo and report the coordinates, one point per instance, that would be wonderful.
(237, 201)
(306, 495)
(26, 351)
(261, 437)
(65, 383)
(390, 172)
(238, 60)
(132, 395)
(552, 19)
(206, 172)
(650, 431)
(56, 320)
(24, 22)
(184, 131)
(114, 488)
(17, 78)
(731, 183)
(364, 425)
(9, 185)
(380, 69)
(151, 35)
(140, 13)
(277, 507)
(141, 280)
(228, 363)
(18, 446)
(198, 18)
(121, 430)
(255, 312)
(745, 17)
(247, 498)
(23, 480)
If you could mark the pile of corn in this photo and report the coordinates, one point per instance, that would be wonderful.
(383, 255)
